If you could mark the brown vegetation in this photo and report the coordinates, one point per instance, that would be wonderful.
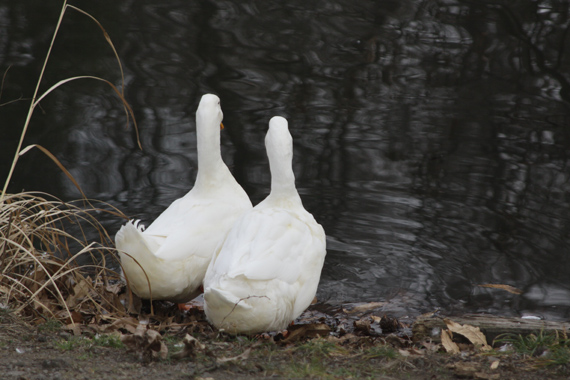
(41, 277)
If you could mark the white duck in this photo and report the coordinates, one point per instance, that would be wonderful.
(177, 247)
(266, 272)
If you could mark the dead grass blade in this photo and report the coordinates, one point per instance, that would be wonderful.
(31, 109)
(54, 159)
(128, 109)
(109, 41)
(3, 79)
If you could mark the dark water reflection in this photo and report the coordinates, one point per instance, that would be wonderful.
(431, 137)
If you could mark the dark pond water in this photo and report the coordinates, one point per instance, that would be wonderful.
(432, 138)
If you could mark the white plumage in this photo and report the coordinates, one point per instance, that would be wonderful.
(177, 247)
(266, 272)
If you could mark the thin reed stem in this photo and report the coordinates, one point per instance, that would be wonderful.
(32, 104)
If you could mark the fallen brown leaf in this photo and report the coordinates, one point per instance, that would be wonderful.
(404, 353)
(475, 336)
(363, 325)
(430, 346)
(350, 339)
(80, 291)
(508, 288)
(129, 324)
(365, 307)
(396, 341)
(191, 345)
(310, 330)
(467, 369)
(146, 343)
(447, 342)
(75, 329)
(76, 317)
(114, 289)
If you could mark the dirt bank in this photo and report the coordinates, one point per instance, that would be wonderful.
(341, 346)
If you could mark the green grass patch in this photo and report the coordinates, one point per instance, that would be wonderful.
(308, 368)
(380, 351)
(324, 359)
(320, 347)
(108, 340)
(50, 326)
(558, 356)
(71, 344)
(174, 345)
(79, 342)
(549, 348)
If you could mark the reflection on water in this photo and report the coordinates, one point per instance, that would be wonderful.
(431, 137)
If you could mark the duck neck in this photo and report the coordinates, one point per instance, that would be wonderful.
(209, 154)
(283, 181)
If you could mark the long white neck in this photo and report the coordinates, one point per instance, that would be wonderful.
(210, 163)
(282, 176)
(279, 145)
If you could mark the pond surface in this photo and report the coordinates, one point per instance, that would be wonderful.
(432, 138)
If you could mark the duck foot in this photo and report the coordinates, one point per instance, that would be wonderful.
(196, 304)
(276, 335)
(185, 306)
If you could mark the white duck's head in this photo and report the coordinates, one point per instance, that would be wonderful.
(279, 145)
(209, 111)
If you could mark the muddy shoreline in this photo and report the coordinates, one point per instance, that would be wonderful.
(355, 343)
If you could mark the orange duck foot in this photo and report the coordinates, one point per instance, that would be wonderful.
(184, 306)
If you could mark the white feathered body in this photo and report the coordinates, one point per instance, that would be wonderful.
(168, 260)
(266, 272)
(177, 247)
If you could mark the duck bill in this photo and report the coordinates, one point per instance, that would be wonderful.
(221, 126)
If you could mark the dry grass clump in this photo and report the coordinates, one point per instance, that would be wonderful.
(40, 272)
